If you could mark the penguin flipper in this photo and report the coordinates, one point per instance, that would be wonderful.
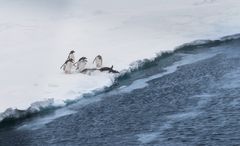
(62, 66)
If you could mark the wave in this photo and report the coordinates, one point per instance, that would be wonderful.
(197, 44)
(12, 115)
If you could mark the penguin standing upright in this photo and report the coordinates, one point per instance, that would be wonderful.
(98, 60)
(71, 55)
(82, 62)
(67, 66)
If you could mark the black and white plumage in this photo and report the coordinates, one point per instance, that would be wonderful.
(71, 55)
(108, 69)
(81, 64)
(103, 69)
(98, 60)
(67, 66)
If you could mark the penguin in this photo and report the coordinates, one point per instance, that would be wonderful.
(71, 55)
(67, 66)
(81, 64)
(109, 69)
(88, 71)
(98, 60)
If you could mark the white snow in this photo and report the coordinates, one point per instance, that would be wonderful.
(36, 37)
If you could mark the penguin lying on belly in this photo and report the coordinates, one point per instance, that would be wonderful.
(109, 69)
(103, 69)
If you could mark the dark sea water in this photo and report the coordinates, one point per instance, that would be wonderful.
(189, 97)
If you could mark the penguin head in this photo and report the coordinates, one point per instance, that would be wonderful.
(71, 52)
(83, 59)
(71, 60)
(99, 56)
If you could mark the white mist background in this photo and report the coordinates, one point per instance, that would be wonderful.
(36, 37)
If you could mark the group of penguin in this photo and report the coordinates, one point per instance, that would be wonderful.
(80, 65)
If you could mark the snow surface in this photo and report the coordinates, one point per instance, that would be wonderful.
(36, 37)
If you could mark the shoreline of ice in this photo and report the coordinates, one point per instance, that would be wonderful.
(38, 106)
(36, 37)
